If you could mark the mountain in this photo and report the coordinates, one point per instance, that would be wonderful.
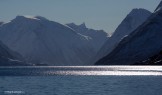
(98, 37)
(134, 19)
(10, 58)
(42, 41)
(141, 44)
(153, 60)
(1, 23)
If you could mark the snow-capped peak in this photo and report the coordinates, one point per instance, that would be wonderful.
(159, 7)
(25, 17)
(40, 18)
(19, 17)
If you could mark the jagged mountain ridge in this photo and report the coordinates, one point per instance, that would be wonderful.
(98, 37)
(46, 42)
(142, 43)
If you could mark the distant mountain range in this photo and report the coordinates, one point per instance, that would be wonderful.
(142, 43)
(42, 41)
(36, 40)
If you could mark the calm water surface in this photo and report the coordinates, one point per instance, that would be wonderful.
(91, 80)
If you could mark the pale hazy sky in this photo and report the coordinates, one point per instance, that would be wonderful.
(97, 14)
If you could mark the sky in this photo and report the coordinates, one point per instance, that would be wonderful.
(97, 14)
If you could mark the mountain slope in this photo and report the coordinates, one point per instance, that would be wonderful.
(153, 60)
(134, 19)
(10, 58)
(98, 37)
(1, 23)
(46, 42)
(142, 43)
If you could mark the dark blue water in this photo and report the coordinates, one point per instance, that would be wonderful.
(114, 80)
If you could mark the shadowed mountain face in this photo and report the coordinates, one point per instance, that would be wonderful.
(10, 58)
(133, 20)
(1, 23)
(153, 60)
(46, 42)
(142, 43)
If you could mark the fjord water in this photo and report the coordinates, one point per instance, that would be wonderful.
(89, 80)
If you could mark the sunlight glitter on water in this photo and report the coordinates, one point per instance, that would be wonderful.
(110, 70)
(105, 73)
(82, 80)
(82, 70)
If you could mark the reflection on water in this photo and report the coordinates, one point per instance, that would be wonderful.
(80, 70)
(112, 80)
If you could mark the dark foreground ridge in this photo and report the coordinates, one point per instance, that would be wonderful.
(154, 60)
